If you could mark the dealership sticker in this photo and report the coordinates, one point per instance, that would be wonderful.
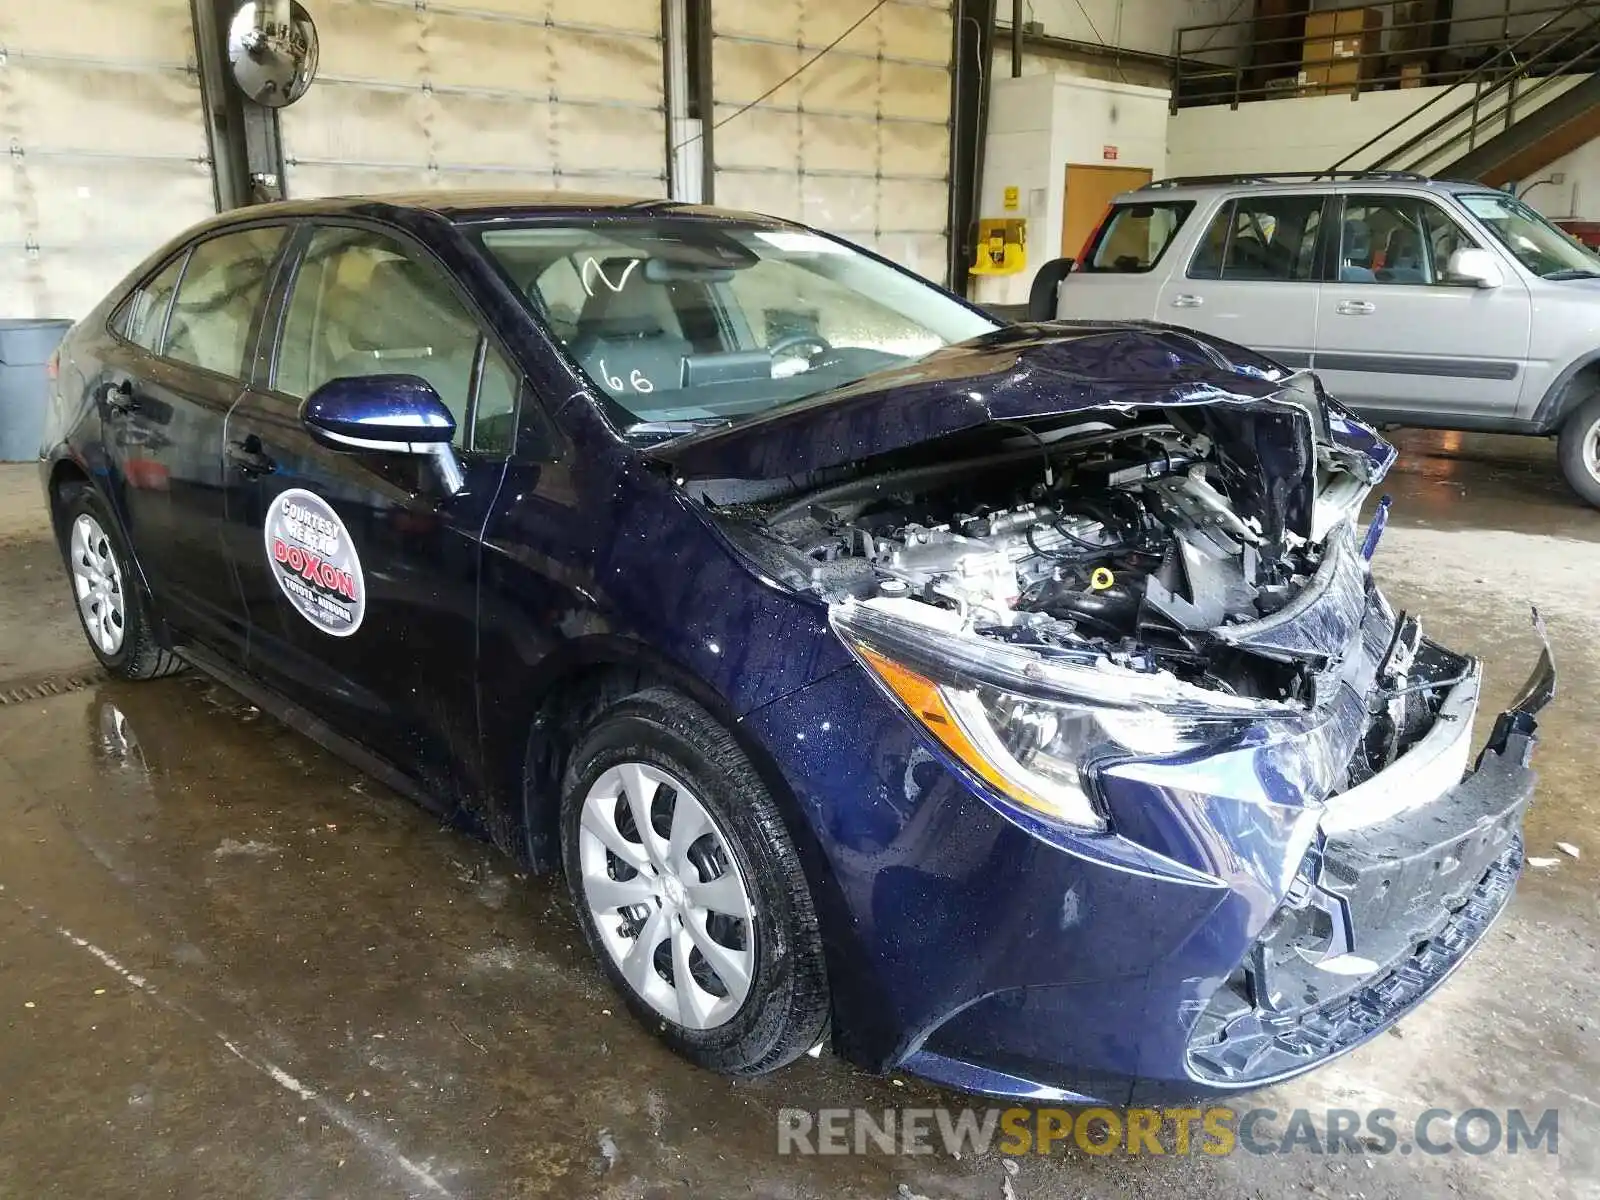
(310, 554)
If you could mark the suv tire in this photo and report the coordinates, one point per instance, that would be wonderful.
(655, 902)
(1578, 450)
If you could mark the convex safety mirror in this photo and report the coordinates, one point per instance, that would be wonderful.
(272, 48)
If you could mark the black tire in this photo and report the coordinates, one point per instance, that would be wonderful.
(1042, 296)
(140, 656)
(787, 1007)
(1578, 431)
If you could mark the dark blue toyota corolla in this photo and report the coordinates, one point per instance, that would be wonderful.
(1011, 704)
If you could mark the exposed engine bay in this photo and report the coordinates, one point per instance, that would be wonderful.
(1146, 540)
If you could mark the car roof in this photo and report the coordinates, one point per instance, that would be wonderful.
(466, 206)
(1204, 187)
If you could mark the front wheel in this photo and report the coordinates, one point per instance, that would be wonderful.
(106, 593)
(689, 889)
(1579, 450)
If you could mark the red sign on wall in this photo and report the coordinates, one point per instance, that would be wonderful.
(1109, 153)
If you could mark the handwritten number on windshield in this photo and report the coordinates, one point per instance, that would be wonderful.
(636, 380)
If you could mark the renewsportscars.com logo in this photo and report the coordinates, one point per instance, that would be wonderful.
(1217, 1130)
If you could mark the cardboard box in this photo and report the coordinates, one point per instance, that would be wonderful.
(1341, 49)
(1413, 74)
(1412, 21)
(1338, 65)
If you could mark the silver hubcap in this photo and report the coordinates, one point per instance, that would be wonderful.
(667, 896)
(97, 581)
(1591, 450)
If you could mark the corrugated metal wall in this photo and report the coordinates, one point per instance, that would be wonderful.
(859, 143)
(104, 135)
(482, 94)
(101, 113)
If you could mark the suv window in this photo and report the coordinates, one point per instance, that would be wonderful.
(1271, 238)
(142, 319)
(366, 304)
(1396, 239)
(219, 300)
(1135, 236)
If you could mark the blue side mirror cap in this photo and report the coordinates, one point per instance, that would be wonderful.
(397, 413)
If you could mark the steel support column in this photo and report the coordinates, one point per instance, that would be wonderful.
(973, 55)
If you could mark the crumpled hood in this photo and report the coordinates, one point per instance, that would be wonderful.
(1015, 373)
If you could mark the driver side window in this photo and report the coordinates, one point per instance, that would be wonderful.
(364, 304)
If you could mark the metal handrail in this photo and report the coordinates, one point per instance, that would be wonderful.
(1512, 102)
(1191, 67)
(1501, 80)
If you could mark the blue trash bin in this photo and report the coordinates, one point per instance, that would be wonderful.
(25, 348)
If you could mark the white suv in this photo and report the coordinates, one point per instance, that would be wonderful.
(1416, 301)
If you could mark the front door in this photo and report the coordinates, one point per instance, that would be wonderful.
(360, 568)
(1253, 279)
(185, 344)
(1394, 338)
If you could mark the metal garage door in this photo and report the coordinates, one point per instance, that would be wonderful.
(101, 117)
(859, 143)
(482, 94)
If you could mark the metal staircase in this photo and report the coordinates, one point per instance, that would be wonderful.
(1528, 104)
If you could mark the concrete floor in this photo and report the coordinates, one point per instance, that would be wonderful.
(231, 965)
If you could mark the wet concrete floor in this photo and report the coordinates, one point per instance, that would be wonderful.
(232, 966)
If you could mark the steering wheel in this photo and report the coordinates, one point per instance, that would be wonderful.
(791, 341)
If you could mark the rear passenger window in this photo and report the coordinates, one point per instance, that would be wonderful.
(143, 318)
(219, 300)
(1136, 236)
(1270, 238)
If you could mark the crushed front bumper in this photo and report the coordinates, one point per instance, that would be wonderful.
(1412, 869)
(997, 954)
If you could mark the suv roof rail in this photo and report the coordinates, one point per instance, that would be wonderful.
(1277, 176)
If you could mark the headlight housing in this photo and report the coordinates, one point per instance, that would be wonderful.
(1035, 728)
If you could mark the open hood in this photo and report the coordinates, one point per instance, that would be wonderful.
(1019, 372)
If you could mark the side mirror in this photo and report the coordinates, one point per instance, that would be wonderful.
(1473, 267)
(395, 414)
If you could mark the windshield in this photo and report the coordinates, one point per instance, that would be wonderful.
(687, 322)
(1538, 245)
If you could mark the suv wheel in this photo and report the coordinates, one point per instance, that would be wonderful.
(689, 888)
(105, 591)
(1579, 450)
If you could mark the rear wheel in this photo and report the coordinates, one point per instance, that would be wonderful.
(1579, 450)
(689, 888)
(110, 607)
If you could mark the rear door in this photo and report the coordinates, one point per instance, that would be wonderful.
(1393, 338)
(184, 342)
(360, 569)
(1119, 277)
(1254, 276)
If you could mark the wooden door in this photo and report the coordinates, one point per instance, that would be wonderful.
(1088, 190)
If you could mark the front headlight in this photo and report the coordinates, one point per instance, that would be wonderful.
(1036, 729)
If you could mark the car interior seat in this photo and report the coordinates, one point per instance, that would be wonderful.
(1355, 262)
(399, 324)
(628, 330)
(1402, 256)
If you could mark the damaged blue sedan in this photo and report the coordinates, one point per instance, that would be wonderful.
(1008, 705)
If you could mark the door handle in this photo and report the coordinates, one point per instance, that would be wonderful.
(249, 457)
(1186, 300)
(1355, 308)
(120, 397)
